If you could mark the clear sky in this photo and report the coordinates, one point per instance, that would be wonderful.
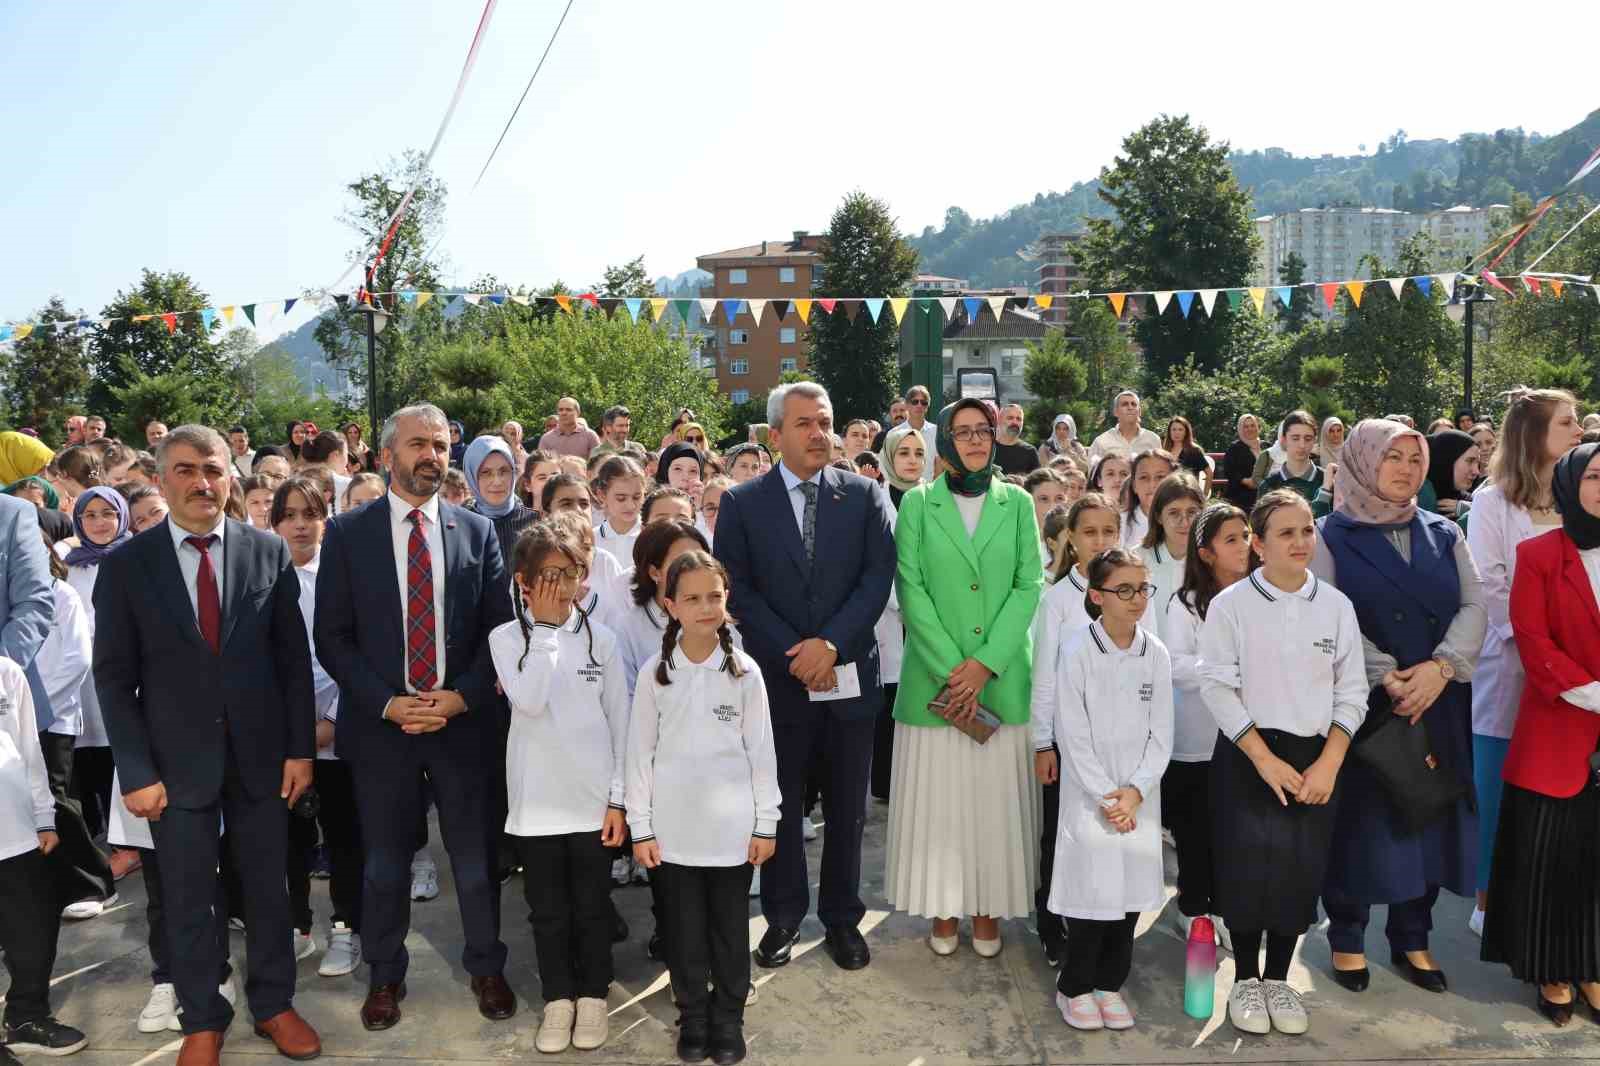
(217, 139)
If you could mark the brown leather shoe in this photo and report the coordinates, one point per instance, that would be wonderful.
(201, 1049)
(496, 1001)
(291, 1034)
(381, 1009)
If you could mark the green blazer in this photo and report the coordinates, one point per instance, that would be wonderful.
(967, 597)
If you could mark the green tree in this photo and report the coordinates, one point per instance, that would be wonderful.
(1054, 374)
(48, 375)
(1110, 364)
(269, 391)
(1298, 313)
(123, 352)
(1182, 222)
(627, 280)
(1319, 379)
(863, 255)
(471, 380)
(173, 397)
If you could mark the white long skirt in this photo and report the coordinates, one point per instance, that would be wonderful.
(963, 824)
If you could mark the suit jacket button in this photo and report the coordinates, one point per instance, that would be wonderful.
(977, 629)
(1399, 616)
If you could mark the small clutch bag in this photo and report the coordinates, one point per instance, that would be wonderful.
(981, 726)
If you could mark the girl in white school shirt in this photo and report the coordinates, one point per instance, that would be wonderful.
(1282, 673)
(702, 799)
(1149, 469)
(1093, 525)
(562, 675)
(619, 486)
(1178, 501)
(1114, 726)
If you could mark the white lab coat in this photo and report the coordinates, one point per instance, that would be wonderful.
(1494, 530)
(890, 631)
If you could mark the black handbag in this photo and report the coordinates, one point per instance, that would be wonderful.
(1419, 785)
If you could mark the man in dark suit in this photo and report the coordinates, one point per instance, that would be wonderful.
(204, 675)
(409, 589)
(811, 558)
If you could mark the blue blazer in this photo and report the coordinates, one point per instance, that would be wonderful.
(174, 710)
(27, 606)
(360, 633)
(779, 600)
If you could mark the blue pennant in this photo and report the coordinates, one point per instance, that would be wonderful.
(1185, 301)
(409, 296)
(874, 308)
(497, 298)
(288, 304)
(1284, 294)
(731, 309)
(633, 304)
(972, 303)
(207, 316)
(1424, 284)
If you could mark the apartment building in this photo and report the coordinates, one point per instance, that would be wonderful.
(749, 357)
(1058, 272)
(1333, 241)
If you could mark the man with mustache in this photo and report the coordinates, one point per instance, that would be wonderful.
(409, 589)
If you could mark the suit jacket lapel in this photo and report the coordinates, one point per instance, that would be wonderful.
(169, 579)
(380, 536)
(450, 535)
(990, 520)
(829, 499)
(788, 530)
(948, 519)
(237, 554)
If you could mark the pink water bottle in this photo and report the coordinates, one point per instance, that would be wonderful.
(1200, 969)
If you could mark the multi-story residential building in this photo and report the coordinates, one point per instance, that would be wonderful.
(749, 357)
(1335, 241)
(1058, 272)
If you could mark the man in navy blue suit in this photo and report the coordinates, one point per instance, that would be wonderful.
(409, 589)
(811, 558)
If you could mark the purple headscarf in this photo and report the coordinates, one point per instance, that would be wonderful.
(87, 553)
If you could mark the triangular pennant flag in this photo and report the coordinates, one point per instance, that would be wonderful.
(925, 303)
(288, 305)
(1185, 301)
(208, 316)
(1117, 300)
(1555, 286)
(685, 308)
(249, 312)
(565, 303)
(730, 308)
(475, 298)
(5, 334)
(1235, 298)
(424, 297)
(851, 309)
(1285, 295)
(708, 307)
(409, 296)
(947, 304)
(780, 308)
(1330, 292)
(453, 298)
(1424, 284)
(1397, 286)
(1447, 283)
(803, 309)
(589, 298)
(62, 327)
(828, 305)
(227, 315)
(1258, 296)
(1355, 288)
(755, 307)
(609, 305)
(874, 308)
(897, 307)
(520, 298)
(1016, 303)
(22, 332)
(1162, 300)
(85, 323)
(171, 320)
(497, 298)
(997, 304)
(1208, 300)
(1532, 283)
(972, 304)
(1043, 302)
(658, 307)
(633, 303)
(1489, 276)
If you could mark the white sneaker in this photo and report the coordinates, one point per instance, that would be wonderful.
(160, 1010)
(1287, 1012)
(755, 883)
(344, 952)
(305, 945)
(808, 829)
(1247, 1008)
(1475, 923)
(1113, 1009)
(1080, 1012)
(88, 908)
(555, 1030)
(424, 877)
(593, 1024)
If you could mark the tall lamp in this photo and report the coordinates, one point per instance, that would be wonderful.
(377, 320)
(1459, 309)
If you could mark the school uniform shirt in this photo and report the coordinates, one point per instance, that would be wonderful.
(325, 691)
(702, 774)
(1062, 613)
(1134, 527)
(1285, 660)
(1307, 486)
(639, 631)
(1194, 731)
(64, 660)
(93, 731)
(1166, 574)
(569, 725)
(610, 585)
(618, 545)
(1114, 727)
(26, 806)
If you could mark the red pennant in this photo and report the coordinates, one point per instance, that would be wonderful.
(827, 305)
(1489, 276)
(591, 299)
(171, 320)
(1532, 283)
(1330, 293)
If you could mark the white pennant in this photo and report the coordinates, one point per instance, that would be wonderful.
(1448, 281)
(1396, 285)
(519, 298)
(1208, 300)
(1162, 300)
(948, 303)
(997, 304)
(472, 298)
(707, 309)
(755, 307)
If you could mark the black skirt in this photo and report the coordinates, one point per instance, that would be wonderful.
(1544, 887)
(1269, 859)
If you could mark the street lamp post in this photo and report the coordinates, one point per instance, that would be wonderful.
(1459, 309)
(377, 319)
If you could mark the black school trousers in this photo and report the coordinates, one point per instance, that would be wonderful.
(1099, 955)
(706, 911)
(30, 918)
(80, 870)
(566, 881)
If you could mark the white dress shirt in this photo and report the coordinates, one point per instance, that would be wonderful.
(26, 806)
(93, 732)
(797, 499)
(243, 463)
(325, 691)
(400, 531)
(64, 660)
(189, 561)
(1060, 616)
(1112, 442)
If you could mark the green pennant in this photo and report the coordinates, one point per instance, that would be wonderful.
(250, 312)
(684, 309)
(1235, 298)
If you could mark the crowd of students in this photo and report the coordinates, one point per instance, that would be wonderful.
(1153, 643)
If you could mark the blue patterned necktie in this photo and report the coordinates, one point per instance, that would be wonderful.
(808, 523)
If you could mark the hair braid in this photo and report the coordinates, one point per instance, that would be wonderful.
(669, 641)
(522, 623)
(729, 663)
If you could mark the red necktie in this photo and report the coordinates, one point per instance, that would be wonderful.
(422, 665)
(208, 607)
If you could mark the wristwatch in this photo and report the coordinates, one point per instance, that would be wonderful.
(1446, 671)
(826, 643)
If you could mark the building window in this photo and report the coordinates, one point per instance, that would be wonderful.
(739, 396)
(738, 276)
(786, 335)
(739, 366)
(786, 365)
(738, 336)
(786, 275)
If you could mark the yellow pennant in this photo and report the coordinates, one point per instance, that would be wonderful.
(1117, 300)
(1259, 298)
(1555, 286)
(1355, 288)
(423, 297)
(1043, 302)
(803, 309)
(898, 305)
(658, 307)
(22, 331)
(565, 303)
(227, 315)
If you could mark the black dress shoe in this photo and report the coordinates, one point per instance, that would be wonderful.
(1432, 980)
(694, 1041)
(1558, 1013)
(776, 943)
(848, 947)
(1354, 980)
(727, 1044)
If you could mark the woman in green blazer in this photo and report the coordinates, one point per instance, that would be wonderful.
(963, 816)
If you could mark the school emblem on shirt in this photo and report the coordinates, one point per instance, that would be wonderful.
(5, 706)
(726, 712)
(591, 674)
(1147, 692)
(1326, 645)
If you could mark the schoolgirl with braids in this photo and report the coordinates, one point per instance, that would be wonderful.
(641, 623)
(563, 677)
(702, 798)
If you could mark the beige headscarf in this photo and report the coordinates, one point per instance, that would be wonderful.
(1355, 493)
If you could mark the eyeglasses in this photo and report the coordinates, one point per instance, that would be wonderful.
(1126, 593)
(968, 434)
(693, 439)
(575, 572)
(917, 403)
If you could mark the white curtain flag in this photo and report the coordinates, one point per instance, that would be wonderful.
(707, 309)
(1447, 283)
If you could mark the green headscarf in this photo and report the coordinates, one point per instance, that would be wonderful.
(891, 441)
(51, 499)
(965, 482)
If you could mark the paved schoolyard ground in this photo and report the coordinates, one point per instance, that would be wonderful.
(907, 1009)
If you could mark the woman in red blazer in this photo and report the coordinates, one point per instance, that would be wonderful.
(1543, 918)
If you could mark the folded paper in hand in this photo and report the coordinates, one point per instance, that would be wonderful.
(846, 685)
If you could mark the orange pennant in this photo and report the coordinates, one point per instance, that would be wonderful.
(1117, 300)
(803, 309)
(1555, 286)
(565, 303)
(1044, 302)
(171, 319)
(1355, 289)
